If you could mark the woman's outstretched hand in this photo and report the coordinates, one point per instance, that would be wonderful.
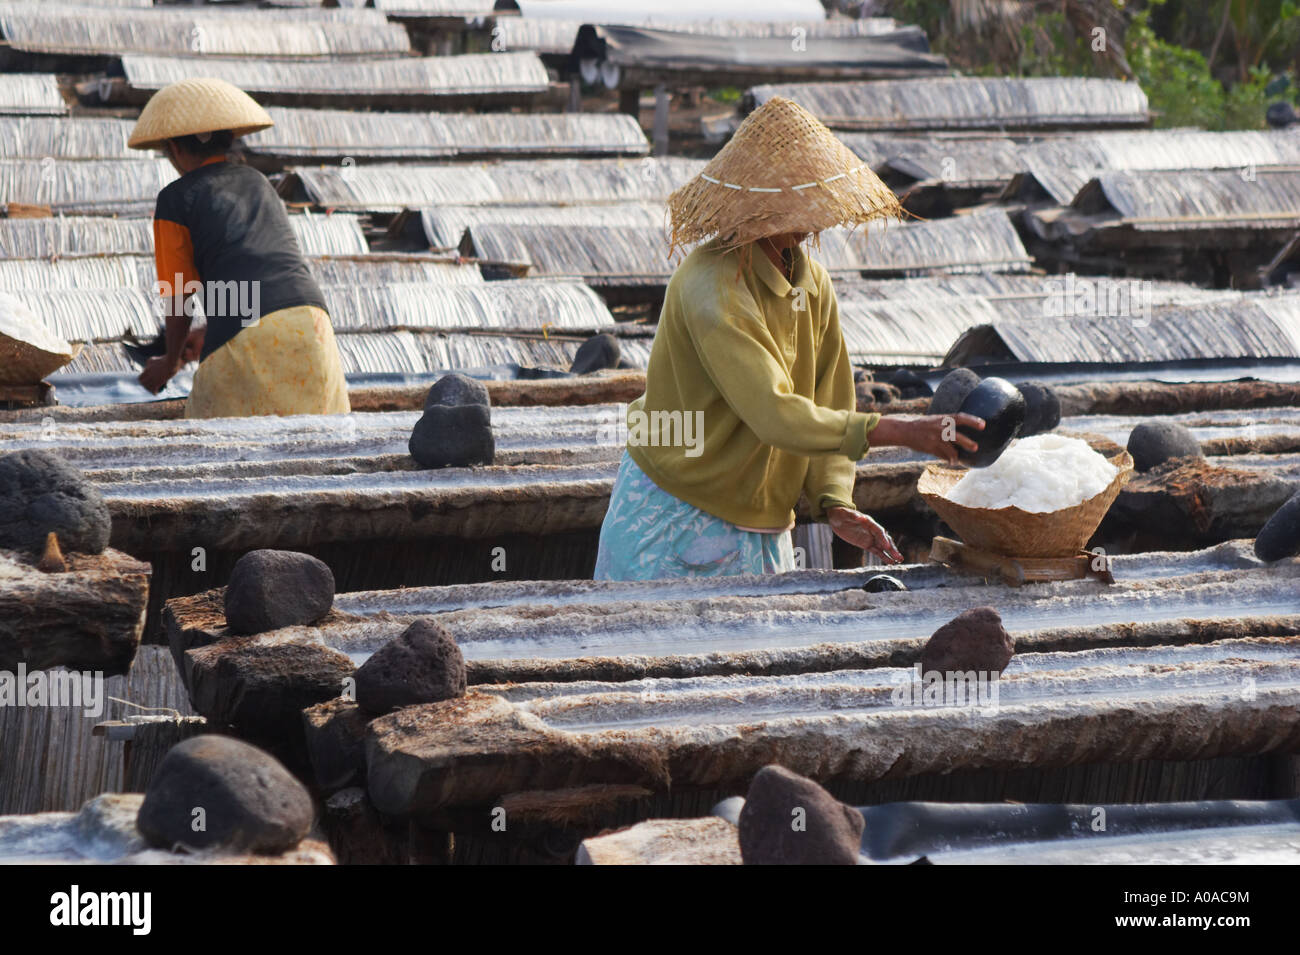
(157, 372)
(861, 531)
(934, 434)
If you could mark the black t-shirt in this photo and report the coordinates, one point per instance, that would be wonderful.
(243, 249)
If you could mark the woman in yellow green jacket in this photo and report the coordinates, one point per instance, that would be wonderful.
(749, 395)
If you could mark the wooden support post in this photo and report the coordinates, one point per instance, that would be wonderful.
(575, 94)
(629, 101)
(661, 120)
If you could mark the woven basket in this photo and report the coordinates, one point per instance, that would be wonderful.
(1011, 532)
(22, 363)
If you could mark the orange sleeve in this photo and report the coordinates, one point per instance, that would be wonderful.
(173, 253)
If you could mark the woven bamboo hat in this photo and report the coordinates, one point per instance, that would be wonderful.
(196, 106)
(782, 171)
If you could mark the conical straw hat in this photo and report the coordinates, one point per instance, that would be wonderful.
(196, 106)
(782, 171)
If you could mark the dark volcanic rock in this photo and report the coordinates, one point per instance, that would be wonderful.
(456, 436)
(270, 589)
(1280, 536)
(1042, 408)
(973, 640)
(1002, 408)
(39, 493)
(881, 583)
(952, 391)
(1154, 442)
(882, 393)
(790, 820)
(457, 390)
(596, 354)
(910, 384)
(214, 792)
(423, 665)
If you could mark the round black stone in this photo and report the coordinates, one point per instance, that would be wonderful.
(1002, 407)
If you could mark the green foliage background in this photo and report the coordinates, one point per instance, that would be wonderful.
(1167, 45)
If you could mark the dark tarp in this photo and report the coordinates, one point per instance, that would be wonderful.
(640, 51)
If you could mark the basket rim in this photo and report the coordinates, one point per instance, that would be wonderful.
(1122, 460)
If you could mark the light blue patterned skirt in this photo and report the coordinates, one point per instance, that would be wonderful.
(649, 535)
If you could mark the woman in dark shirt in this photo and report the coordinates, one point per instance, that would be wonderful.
(222, 236)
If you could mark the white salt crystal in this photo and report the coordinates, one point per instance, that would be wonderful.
(1047, 472)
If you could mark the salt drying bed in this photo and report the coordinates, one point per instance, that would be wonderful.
(121, 447)
(619, 633)
(796, 623)
(416, 601)
(537, 434)
(312, 479)
(1233, 697)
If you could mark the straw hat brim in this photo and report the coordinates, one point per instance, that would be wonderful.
(197, 106)
(783, 171)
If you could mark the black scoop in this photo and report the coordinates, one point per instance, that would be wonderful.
(1002, 407)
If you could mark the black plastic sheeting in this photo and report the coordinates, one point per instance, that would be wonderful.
(1178, 372)
(909, 831)
(903, 52)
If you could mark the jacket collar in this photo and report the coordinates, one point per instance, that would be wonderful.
(771, 276)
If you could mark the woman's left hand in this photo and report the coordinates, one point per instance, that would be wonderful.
(860, 530)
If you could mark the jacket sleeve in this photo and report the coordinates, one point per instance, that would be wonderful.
(830, 478)
(740, 356)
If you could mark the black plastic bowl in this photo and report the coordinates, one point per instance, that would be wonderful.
(1002, 407)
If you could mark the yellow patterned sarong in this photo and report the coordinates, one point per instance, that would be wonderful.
(286, 364)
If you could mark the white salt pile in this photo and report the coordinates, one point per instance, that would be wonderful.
(1044, 473)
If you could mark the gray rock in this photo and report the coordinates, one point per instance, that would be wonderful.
(270, 589)
(1152, 443)
(422, 665)
(39, 493)
(596, 354)
(973, 640)
(249, 802)
(457, 390)
(952, 391)
(456, 436)
(790, 820)
(1280, 536)
(1042, 408)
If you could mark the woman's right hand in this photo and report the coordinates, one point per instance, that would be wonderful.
(934, 434)
(860, 530)
(157, 372)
